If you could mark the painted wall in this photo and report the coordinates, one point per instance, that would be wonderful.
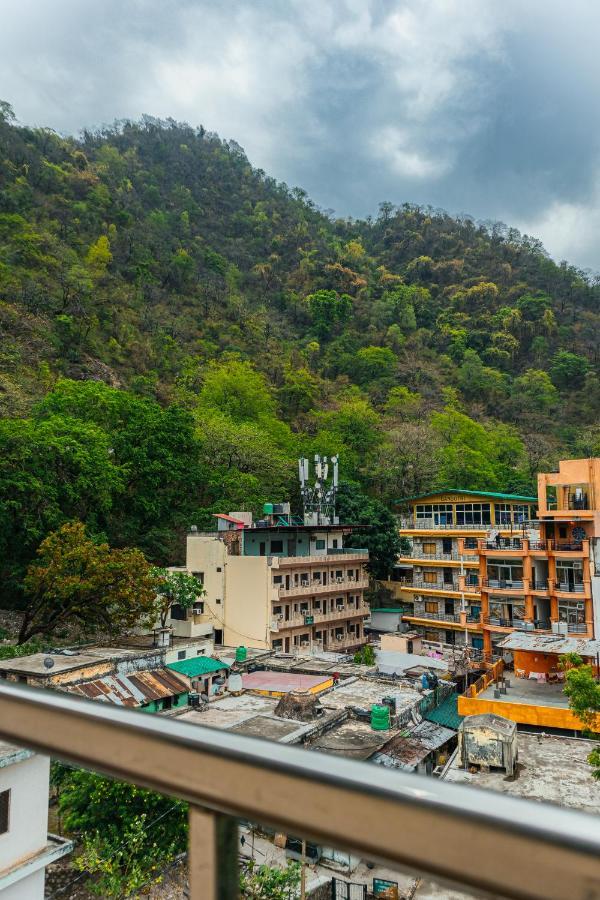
(28, 823)
(525, 714)
(207, 555)
(248, 602)
(30, 888)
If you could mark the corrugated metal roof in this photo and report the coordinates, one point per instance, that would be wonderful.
(497, 496)
(406, 751)
(134, 689)
(446, 713)
(550, 643)
(197, 665)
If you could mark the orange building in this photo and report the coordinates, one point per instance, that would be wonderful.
(542, 582)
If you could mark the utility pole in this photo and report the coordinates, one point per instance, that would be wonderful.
(303, 871)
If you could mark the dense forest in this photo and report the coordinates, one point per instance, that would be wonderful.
(176, 327)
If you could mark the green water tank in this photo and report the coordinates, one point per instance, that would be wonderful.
(268, 509)
(380, 717)
(240, 654)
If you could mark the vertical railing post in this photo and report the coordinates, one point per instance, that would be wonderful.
(213, 853)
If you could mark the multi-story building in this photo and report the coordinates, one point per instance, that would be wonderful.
(437, 578)
(542, 582)
(277, 583)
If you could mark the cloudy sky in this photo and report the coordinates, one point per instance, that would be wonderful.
(487, 107)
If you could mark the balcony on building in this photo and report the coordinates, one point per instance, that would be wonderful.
(571, 493)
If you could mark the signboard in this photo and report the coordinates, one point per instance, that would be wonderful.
(386, 889)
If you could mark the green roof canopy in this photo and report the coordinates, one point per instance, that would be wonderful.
(496, 496)
(389, 609)
(198, 665)
(446, 713)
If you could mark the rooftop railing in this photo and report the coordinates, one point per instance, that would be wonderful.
(453, 833)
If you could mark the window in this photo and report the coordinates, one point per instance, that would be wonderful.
(277, 610)
(430, 577)
(430, 549)
(449, 607)
(450, 637)
(4, 811)
(278, 644)
(219, 569)
(440, 513)
(181, 654)
(277, 579)
(199, 576)
(178, 612)
(431, 606)
(218, 601)
(320, 544)
(473, 514)
(199, 652)
(276, 546)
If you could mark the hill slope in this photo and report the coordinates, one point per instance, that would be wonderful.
(428, 349)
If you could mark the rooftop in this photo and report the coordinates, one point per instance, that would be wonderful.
(283, 682)
(528, 691)
(406, 751)
(252, 715)
(550, 768)
(550, 643)
(352, 738)
(363, 692)
(65, 661)
(450, 490)
(197, 665)
(132, 690)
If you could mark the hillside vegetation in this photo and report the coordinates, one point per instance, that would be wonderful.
(176, 327)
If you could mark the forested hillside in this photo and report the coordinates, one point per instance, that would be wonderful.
(176, 327)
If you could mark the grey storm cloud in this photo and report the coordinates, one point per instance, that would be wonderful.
(475, 106)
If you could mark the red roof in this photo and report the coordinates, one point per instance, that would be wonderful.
(228, 518)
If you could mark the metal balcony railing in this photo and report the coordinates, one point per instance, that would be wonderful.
(568, 546)
(406, 821)
(578, 501)
(568, 587)
(503, 544)
(439, 616)
(502, 584)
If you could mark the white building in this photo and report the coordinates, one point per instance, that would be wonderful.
(26, 848)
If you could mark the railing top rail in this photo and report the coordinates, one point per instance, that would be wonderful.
(403, 820)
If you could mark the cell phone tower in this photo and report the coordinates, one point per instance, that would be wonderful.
(318, 494)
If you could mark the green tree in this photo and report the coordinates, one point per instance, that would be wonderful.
(52, 471)
(365, 656)
(380, 537)
(568, 370)
(76, 579)
(534, 392)
(156, 450)
(583, 691)
(373, 363)
(178, 588)
(128, 834)
(329, 311)
(270, 883)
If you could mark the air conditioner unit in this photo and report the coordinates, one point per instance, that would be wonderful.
(339, 580)
(305, 643)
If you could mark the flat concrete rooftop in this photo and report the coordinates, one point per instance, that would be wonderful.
(363, 692)
(353, 739)
(528, 691)
(64, 662)
(551, 768)
(284, 682)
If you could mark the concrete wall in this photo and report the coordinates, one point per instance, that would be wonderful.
(30, 888)
(28, 818)
(209, 556)
(248, 602)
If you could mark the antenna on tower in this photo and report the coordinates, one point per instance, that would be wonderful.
(318, 496)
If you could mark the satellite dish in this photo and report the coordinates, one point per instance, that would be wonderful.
(48, 663)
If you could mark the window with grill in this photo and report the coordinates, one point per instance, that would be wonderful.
(4, 811)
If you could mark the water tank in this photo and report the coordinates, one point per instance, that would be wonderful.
(268, 509)
(380, 717)
(235, 683)
(241, 654)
